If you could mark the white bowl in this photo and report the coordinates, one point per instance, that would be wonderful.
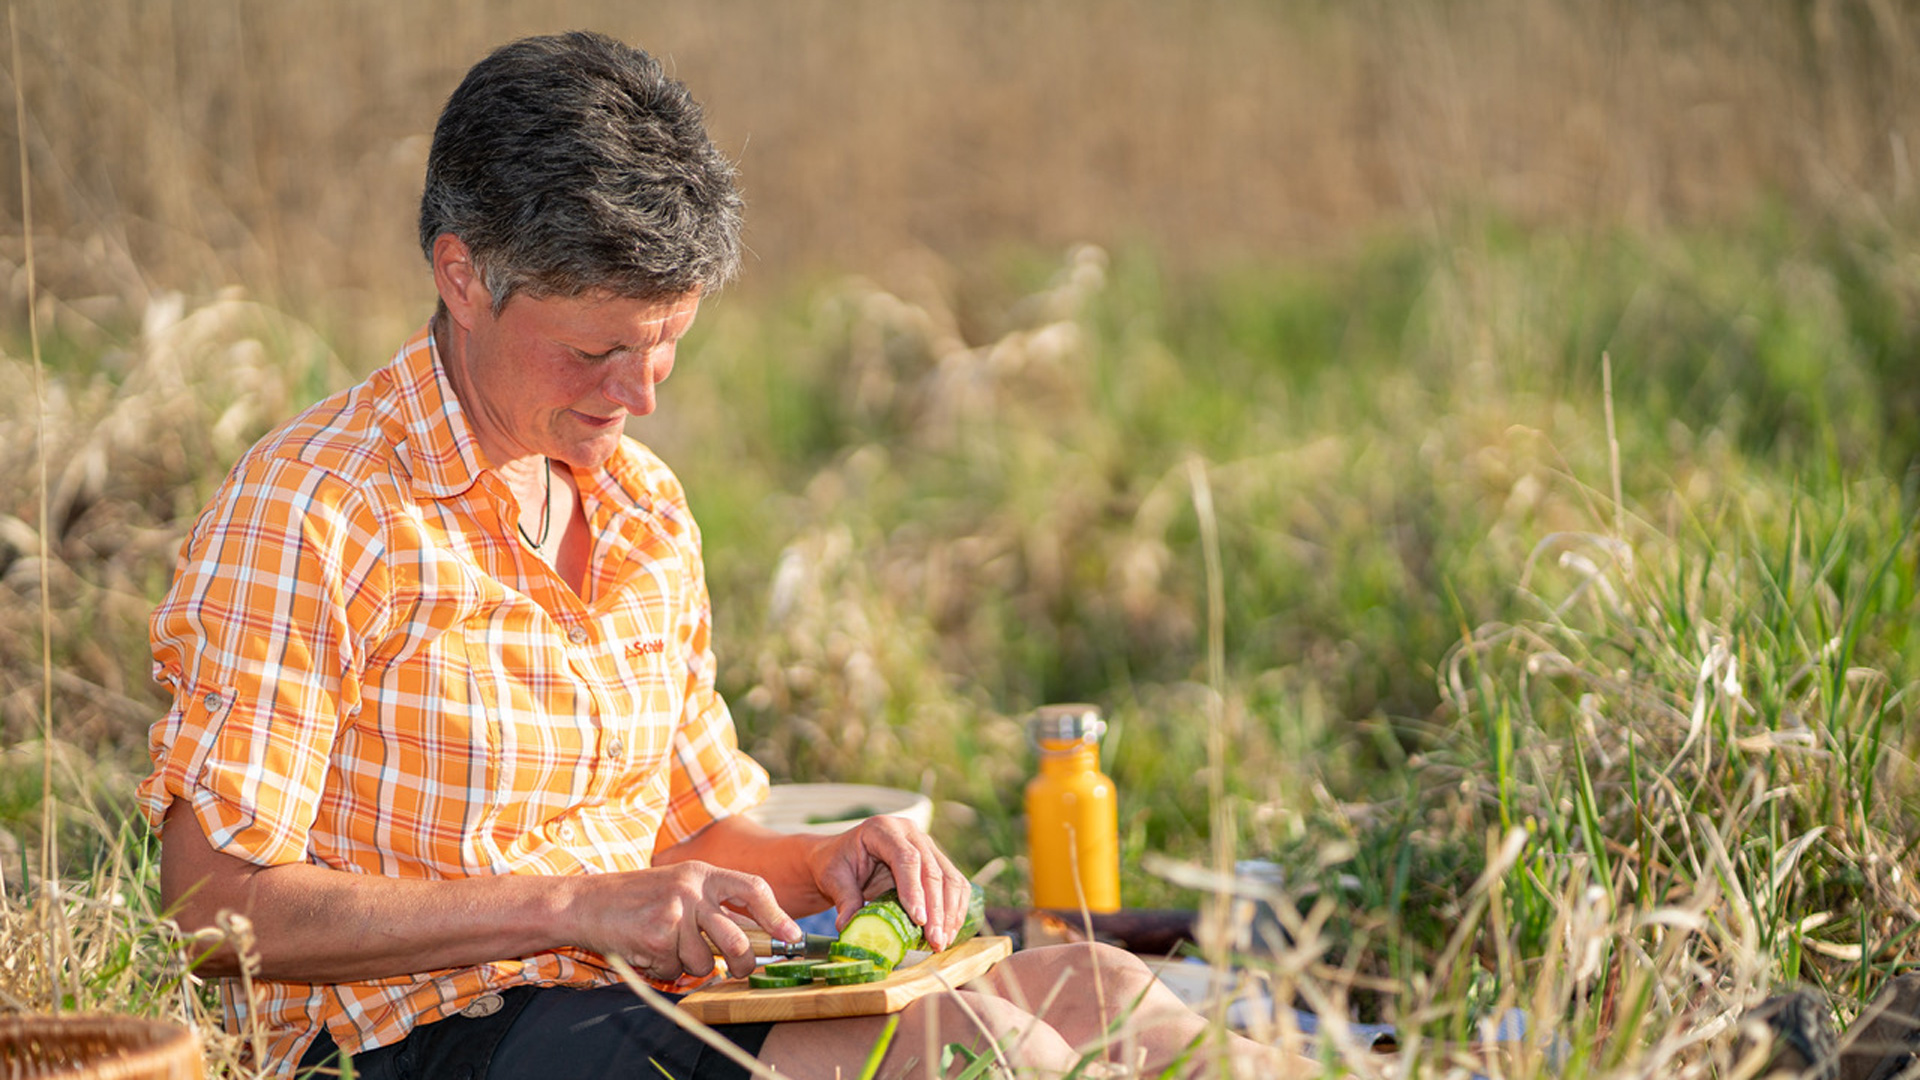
(832, 808)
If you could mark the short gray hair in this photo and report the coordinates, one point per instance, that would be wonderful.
(574, 164)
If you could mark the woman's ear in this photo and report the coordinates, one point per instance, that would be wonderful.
(458, 280)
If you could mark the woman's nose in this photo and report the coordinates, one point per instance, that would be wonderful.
(630, 384)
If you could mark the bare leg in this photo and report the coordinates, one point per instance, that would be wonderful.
(830, 1049)
(1079, 990)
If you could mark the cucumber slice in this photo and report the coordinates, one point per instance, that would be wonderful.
(867, 976)
(791, 969)
(881, 931)
(882, 928)
(760, 980)
(840, 950)
(844, 971)
(908, 929)
(874, 937)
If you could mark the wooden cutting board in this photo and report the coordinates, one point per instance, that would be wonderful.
(732, 1001)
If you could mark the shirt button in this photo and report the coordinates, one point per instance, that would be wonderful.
(566, 832)
(577, 635)
(213, 702)
(617, 750)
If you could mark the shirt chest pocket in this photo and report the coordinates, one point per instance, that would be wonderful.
(651, 695)
(541, 717)
(572, 723)
(645, 658)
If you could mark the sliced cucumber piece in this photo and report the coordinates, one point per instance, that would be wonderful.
(802, 969)
(881, 931)
(881, 928)
(760, 980)
(844, 971)
(867, 976)
(840, 950)
(871, 938)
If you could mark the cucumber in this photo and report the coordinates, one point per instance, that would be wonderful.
(881, 932)
(976, 917)
(876, 939)
(840, 950)
(790, 969)
(887, 907)
(842, 972)
(872, 974)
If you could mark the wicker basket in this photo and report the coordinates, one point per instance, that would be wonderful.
(96, 1047)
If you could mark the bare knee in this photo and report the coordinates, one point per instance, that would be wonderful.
(956, 1027)
(937, 1035)
(1035, 977)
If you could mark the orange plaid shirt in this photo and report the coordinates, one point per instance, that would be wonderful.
(371, 672)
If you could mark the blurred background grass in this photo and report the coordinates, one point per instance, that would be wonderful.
(204, 143)
(1018, 269)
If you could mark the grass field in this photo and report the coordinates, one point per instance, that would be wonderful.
(1466, 449)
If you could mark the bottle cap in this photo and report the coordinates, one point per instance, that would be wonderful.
(1065, 724)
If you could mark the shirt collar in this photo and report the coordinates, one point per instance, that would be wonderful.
(441, 448)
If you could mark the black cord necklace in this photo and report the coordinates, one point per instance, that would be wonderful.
(546, 514)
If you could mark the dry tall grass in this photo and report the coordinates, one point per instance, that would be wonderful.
(135, 448)
(198, 144)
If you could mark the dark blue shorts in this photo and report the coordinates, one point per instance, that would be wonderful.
(542, 1032)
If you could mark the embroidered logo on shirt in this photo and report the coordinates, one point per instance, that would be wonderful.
(646, 646)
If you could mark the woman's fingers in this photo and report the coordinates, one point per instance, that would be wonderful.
(887, 852)
(674, 920)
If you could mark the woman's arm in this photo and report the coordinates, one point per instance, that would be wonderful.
(313, 924)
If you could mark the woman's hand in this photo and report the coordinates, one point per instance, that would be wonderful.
(843, 870)
(885, 852)
(670, 921)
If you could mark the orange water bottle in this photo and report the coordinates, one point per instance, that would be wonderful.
(1073, 813)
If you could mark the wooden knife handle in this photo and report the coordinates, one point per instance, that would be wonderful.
(763, 944)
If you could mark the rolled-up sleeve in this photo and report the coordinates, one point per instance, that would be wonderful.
(256, 641)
